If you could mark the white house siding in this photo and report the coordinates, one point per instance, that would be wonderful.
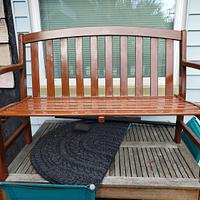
(22, 24)
(4, 43)
(193, 50)
(6, 80)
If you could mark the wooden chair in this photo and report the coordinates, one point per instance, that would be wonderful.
(95, 105)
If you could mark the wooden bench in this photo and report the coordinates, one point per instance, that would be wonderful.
(96, 104)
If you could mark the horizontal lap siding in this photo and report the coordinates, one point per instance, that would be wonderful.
(4, 43)
(23, 25)
(193, 50)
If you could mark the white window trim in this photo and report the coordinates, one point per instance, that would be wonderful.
(179, 24)
(34, 12)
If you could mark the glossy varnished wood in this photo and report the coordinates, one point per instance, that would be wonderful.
(102, 106)
(79, 67)
(109, 32)
(139, 66)
(15, 135)
(94, 66)
(192, 136)
(10, 68)
(35, 69)
(124, 67)
(27, 130)
(22, 72)
(64, 67)
(102, 31)
(50, 69)
(182, 70)
(23, 85)
(182, 86)
(154, 67)
(191, 64)
(108, 66)
(169, 67)
(2, 195)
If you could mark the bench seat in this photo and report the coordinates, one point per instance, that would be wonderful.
(102, 106)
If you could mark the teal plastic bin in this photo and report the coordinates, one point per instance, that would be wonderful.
(194, 125)
(28, 191)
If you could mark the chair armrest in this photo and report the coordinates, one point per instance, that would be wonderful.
(191, 64)
(10, 68)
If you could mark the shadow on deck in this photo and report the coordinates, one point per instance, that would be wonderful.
(148, 165)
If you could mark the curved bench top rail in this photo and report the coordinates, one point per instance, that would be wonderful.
(102, 31)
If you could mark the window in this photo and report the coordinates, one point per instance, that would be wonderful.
(75, 13)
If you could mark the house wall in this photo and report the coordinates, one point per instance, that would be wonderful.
(4, 45)
(22, 25)
(193, 50)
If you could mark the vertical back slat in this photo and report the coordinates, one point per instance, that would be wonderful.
(108, 55)
(154, 67)
(94, 66)
(139, 66)
(35, 69)
(182, 71)
(50, 69)
(22, 59)
(64, 67)
(124, 63)
(79, 67)
(169, 67)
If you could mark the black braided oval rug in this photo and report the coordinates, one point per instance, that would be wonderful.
(68, 156)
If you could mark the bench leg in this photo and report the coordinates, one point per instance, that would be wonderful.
(101, 119)
(28, 131)
(2, 195)
(3, 165)
(178, 131)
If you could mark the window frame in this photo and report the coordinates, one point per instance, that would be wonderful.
(179, 24)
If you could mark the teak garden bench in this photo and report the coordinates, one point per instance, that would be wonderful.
(96, 105)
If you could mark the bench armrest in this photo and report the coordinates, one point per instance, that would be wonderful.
(191, 64)
(10, 68)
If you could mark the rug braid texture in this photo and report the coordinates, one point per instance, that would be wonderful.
(66, 156)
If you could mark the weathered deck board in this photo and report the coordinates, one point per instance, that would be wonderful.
(148, 158)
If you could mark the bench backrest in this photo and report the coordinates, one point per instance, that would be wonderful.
(93, 33)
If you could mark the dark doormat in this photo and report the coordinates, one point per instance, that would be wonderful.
(69, 155)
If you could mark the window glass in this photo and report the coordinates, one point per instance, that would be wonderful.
(77, 13)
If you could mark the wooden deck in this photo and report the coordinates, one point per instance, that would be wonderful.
(148, 165)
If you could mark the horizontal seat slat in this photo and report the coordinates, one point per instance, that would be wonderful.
(106, 111)
(104, 103)
(102, 106)
(113, 104)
